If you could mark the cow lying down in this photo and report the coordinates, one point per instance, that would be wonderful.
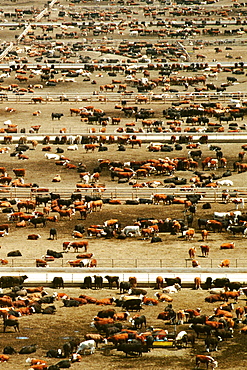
(172, 289)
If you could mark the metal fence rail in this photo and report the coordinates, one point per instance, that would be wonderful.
(123, 194)
(126, 263)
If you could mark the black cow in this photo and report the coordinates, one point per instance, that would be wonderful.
(211, 343)
(204, 329)
(53, 233)
(87, 284)
(54, 254)
(63, 364)
(8, 350)
(234, 286)
(145, 201)
(54, 353)
(59, 150)
(56, 115)
(98, 282)
(9, 281)
(132, 305)
(194, 198)
(10, 322)
(42, 199)
(111, 280)
(70, 303)
(195, 153)
(221, 282)
(47, 299)
(133, 348)
(124, 286)
(57, 282)
(156, 239)
(208, 283)
(16, 253)
(38, 220)
(80, 228)
(49, 310)
(172, 281)
(139, 321)
(28, 349)
(224, 334)
(53, 367)
(236, 229)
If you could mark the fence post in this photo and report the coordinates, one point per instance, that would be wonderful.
(136, 263)
(112, 263)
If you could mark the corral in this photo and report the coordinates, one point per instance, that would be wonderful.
(116, 106)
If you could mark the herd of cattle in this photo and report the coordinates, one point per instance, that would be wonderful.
(114, 328)
(144, 72)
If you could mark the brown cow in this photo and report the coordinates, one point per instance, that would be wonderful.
(208, 360)
(77, 245)
(159, 282)
(227, 246)
(224, 263)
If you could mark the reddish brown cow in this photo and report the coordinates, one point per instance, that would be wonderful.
(192, 252)
(227, 246)
(208, 360)
(159, 282)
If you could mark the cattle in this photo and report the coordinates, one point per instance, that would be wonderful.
(201, 328)
(86, 346)
(138, 321)
(37, 221)
(197, 282)
(221, 282)
(124, 286)
(132, 304)
(131, 231)
(137, 291)
(77, 245)
(57, 282)
(96, 337)
(172, 281)
(205, 250)
(9, 281)
(49, 310)
(98, 282)
(224, 263)
(71, 303)
(26, 350)
(16, 253)
(162, 297)
(208, 360)
(10, 322)
(112, 280)
(214, 298)
(133, 348)
(33, 236)
(53, 233)
(56, 115)
(230, 295)
(227, 246)
(54, 254)
(40, 262)
(159, 282)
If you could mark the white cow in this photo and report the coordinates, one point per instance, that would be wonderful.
(56, 157)
(225, 182)
(172, 289)
(72, 147)
(131, 231)
(87, 345)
